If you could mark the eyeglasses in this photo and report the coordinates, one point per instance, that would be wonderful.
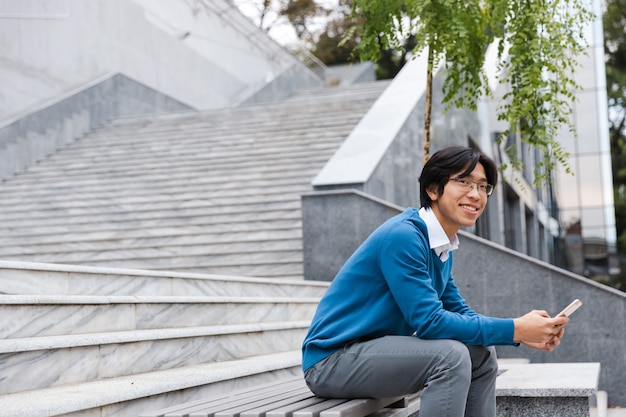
(468, 185)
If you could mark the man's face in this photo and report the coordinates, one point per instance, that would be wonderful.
(461, 203)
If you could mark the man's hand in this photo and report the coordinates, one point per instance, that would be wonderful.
(538, 330)
(549, 346)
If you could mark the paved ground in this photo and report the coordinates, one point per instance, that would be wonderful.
(611, 412)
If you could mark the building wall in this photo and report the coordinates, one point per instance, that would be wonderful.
(586, 197)
(204, 58)
(575, 212)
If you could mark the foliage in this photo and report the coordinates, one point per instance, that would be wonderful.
(545, 38)
(329, 47)
(539, 41)
(300, 13)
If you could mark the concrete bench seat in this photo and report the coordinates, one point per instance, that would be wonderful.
(287, 398)
(522, 389)
(546, 389)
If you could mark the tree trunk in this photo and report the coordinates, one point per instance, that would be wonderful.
(428, 105)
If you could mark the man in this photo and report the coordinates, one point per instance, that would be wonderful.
(393, 321)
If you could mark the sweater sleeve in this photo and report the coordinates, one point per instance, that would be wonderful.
(427, 296)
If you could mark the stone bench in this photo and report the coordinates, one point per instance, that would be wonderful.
(288, 398)
(546, 389)
(522, 389)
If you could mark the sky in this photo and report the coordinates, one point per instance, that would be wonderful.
(281, 31)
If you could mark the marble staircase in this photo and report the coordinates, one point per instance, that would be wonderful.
(104, 341)
(210, 192)
(159, 259)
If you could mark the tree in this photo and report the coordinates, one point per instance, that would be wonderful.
(539, 41)
(334, 46)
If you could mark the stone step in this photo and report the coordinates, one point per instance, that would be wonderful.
(185, 245)
(278, 268)
(41, 226)
(159, 258)
(51, 361)
(128, 396)
(92, 159)
(24, 278)
(344, 90)
(189, 182)
(168, 216)
(220, 243)
(52, 315)
(262, 197)
(331, 99)
(259, 252)
(310, 129)
(149, 182)
(163, 232)
(546, 389)
(166, 196)
(267, 128)
(328, 103)
(198, 163)
(109, 176)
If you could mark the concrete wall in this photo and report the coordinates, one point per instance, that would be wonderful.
(334, 223)
(203, 57)
(500, 282)
(495, 281)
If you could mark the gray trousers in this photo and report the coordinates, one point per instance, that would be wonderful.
(456, 379)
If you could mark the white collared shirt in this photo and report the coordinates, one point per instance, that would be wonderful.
(439, 241)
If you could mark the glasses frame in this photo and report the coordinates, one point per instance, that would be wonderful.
(469, 185)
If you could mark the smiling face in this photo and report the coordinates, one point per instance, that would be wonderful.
(458, 207)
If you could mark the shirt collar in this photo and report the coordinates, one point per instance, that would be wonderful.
(439, 241)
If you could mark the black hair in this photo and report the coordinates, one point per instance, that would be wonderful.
(449, 161)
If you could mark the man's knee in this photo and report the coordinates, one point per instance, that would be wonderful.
(484, 359)
(457, 359)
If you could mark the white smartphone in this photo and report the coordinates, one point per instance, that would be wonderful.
(573, 306)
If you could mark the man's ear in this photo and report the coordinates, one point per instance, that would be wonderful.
(432, 192)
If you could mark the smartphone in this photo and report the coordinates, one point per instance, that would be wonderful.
(574, 305)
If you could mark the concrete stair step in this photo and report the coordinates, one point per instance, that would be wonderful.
(61, 254)
(161, 258)
(263, 197)
(276, 268)
(268, 128)
(262, 240)
(311, 130)
(51, 361)
(192, 151)
(164, 233)
(165, 197)
(51, 315)
(172, 215)
(131, 395)
(150, 184)
(149, 180)
(374, 86)
(154, 181)
(200, 162)
(335, 100)
(24, 278)
(39, 226)
(321, 100)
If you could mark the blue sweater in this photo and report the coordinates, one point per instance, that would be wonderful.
(394, 284)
